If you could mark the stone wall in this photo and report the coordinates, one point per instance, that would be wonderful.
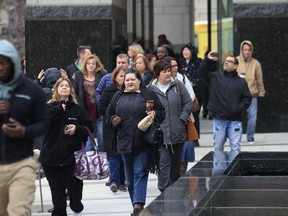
(12, 23)
(53, 34)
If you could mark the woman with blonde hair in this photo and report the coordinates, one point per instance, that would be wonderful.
(86, 83)
(68, 128)
(134, 50)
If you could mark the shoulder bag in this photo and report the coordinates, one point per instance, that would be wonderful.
(192, 133)
(91, 165)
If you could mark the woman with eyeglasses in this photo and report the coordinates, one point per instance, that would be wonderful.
(188, 154)
(178, 107)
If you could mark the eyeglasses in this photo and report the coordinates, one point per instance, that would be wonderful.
(174, 66)
(229, 61)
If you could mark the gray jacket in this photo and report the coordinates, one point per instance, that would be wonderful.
(178, 106)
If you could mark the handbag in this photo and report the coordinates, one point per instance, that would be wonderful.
(154, 135)
(146, 122)
(91, 165)
(192, 133)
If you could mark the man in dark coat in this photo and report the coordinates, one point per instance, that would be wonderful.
(229, 100)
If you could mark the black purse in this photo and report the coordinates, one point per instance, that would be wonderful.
(154, 135)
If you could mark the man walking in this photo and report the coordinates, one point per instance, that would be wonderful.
(250, 69)
(23, 116)
(228, 102)
(82, 53)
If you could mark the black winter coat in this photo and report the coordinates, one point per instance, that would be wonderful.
(28, 106)
(79, 88)
(58, 148)
(103, 104)
(131, 108)
(229, 94)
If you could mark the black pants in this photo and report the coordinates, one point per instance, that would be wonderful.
(61, 178)
(199, 95)
(170, 160)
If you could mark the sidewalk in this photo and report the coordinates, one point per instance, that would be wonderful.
(98, 200)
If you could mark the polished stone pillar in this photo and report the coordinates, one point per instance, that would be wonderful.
(54, 30)
(265, 24)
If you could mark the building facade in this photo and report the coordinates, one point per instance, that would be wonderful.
(48, 33)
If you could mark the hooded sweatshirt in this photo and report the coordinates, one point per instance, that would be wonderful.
(27, 106)
(252, 71)
(8, 50)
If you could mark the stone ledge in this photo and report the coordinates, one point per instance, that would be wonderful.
(67, 12)
(260, 10)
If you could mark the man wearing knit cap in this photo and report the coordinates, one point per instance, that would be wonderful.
(23, 116)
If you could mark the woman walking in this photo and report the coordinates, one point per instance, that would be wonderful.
(177, 102)
(66, 132)
(126, 110)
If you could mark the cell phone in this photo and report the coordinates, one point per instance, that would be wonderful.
(215, 54)
(11, 124)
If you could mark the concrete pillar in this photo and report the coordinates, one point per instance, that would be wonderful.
(148, 24)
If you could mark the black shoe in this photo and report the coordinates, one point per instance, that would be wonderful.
(196, 143)
(107, 183)
(51, 210)
(136, 211)
(122, 188)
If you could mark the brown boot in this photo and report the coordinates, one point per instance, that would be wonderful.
(183, 167)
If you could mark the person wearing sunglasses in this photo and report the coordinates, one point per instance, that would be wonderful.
(229, 99)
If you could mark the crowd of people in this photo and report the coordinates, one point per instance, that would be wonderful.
(85, 96)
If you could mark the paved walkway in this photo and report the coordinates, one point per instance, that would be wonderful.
(100, 201)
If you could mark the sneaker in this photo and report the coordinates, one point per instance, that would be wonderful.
(122, 188)
(113, 188)
(77, 214)
(251, 141)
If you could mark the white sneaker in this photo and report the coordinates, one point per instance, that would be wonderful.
(77, 214)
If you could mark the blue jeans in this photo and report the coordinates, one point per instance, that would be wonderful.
(136, 175)
(252, 118)
(188, 152)
(99, 127)
(223, 129)
(116, 166)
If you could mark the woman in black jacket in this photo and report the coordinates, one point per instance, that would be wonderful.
(85, 84)
(117, 178)
(126, 110)
(68, 128)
